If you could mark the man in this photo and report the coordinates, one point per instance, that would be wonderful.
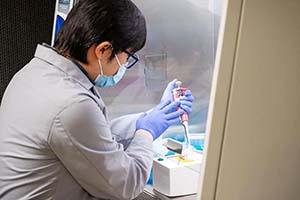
(56, 141)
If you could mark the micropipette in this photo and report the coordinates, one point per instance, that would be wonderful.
(177, 93)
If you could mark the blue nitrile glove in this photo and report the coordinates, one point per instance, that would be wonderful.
(160, 118)
(167, 95)
(186, 101)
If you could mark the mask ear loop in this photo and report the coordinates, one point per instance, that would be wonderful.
(99, 61)
(100, 65)
(118, 60)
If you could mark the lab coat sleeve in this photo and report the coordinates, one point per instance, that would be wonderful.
(82, 140)
(123, 128)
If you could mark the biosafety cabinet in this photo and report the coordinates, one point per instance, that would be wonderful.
(62, 8)
(241, 60)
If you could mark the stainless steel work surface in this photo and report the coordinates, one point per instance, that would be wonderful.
(150, 193)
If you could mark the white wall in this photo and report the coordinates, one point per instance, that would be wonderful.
(257, 153)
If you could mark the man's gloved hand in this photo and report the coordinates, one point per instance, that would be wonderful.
(167, 95)
(186, 101)
(160, 118)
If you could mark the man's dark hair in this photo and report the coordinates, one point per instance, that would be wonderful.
(94, 21)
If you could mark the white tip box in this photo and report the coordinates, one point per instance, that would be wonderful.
(173, 177)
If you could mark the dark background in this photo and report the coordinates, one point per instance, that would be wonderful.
(23, 24)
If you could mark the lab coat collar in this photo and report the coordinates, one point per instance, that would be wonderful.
(51, 56)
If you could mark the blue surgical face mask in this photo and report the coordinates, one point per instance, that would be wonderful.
(104, 81)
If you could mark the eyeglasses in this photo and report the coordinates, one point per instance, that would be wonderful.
(131, 60)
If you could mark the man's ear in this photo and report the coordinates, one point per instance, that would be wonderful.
(103, 50)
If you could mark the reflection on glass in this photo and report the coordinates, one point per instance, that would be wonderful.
(181, 44)
(155, 71)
